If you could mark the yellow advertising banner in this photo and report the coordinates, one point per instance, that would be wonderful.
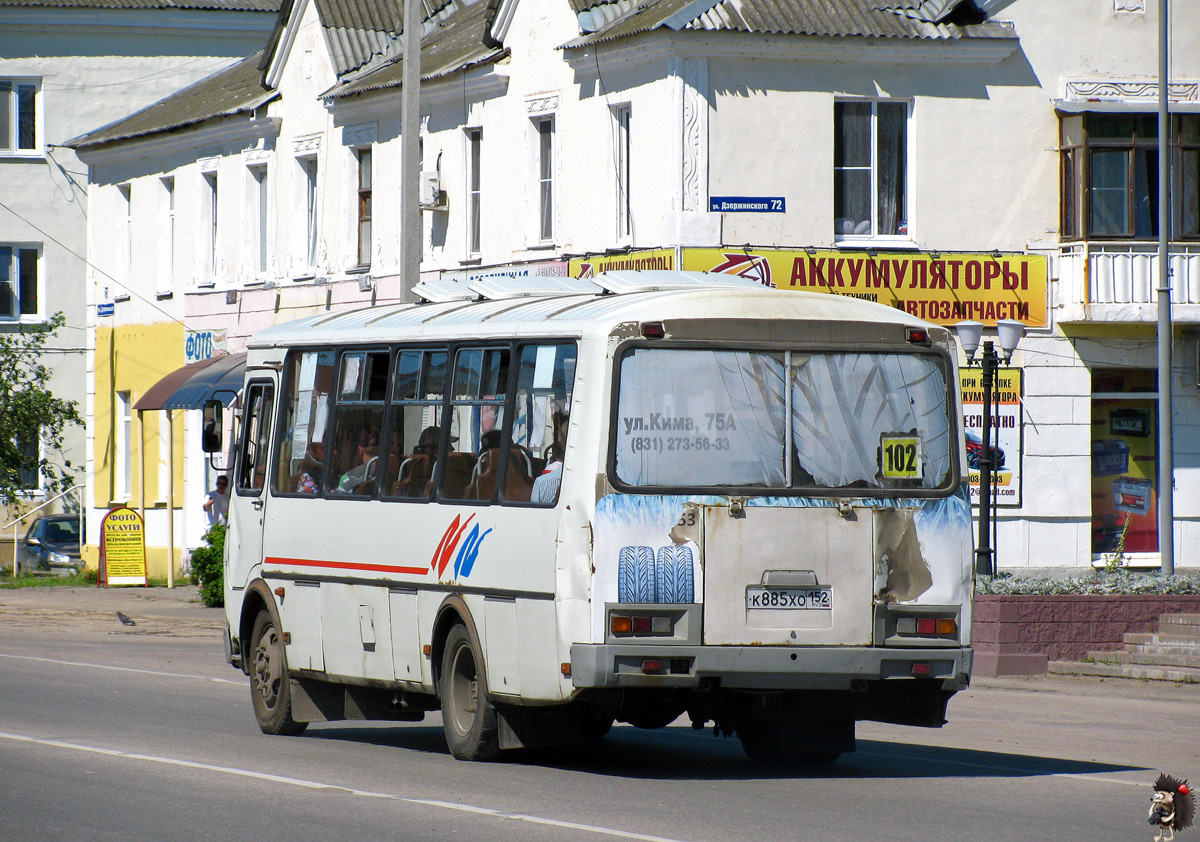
(940, 287)
(122, 548)
(589, 267)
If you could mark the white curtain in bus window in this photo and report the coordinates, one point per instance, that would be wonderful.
(844, 407)
(696, 418)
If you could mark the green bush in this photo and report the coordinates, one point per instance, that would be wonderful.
(208, 566)
(1102, 582)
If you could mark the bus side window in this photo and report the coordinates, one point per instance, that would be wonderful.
(252, 462)
(541, 418)
(300, 458)
(478, 397)
(358, 424)
(414, 424)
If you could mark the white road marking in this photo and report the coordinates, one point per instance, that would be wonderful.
(158, 673)
(316, 785)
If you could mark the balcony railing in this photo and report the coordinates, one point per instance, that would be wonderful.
(1125, 274)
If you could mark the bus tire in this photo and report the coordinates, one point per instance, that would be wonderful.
(270, 683)
(676, 581)
(468, 717)
(637, 579)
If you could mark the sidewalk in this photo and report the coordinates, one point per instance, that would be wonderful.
(151, 609)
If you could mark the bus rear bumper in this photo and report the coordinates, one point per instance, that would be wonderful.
(762, 667)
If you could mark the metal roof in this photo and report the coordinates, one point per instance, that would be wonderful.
(270, 6)
(572, 315)
(236, 90)
(830, 18)
(357, 31)
(453, 41)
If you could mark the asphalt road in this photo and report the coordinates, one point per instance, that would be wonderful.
(116, 732)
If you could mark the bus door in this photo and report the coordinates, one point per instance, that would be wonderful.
(248, 503)
(787, 574)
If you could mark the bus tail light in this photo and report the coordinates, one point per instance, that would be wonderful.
(927, 626)
(652, 666)
(922, 670)
(917, 335)
(640, 624)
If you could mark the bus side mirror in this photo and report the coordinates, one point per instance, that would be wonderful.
(210, 438)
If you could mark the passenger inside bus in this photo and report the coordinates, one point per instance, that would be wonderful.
(361, 478)
(308, 480)
(416, 470)
(545, 487)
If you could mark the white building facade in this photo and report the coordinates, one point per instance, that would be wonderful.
(961, 160)
(66, 69)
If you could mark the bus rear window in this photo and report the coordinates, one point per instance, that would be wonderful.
(712, 419)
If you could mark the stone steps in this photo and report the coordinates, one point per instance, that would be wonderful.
(1170, 654)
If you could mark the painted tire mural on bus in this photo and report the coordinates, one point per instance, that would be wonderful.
(667, 578)
(637, 579)
(676, 582)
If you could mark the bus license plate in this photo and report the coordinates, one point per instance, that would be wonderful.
(789, 598)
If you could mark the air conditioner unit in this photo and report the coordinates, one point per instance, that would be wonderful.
(432, 196)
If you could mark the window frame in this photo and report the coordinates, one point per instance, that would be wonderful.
(122, 479)
(310, 188)
(166, 272)
(11, 89)
(17, 275)
(904, 158)
(280, 485)
(1076, 189)
(210, 225)
(363, 205)
(544, 204)
(260, 186)
(622, 120)
(474, 183)
(940, 357)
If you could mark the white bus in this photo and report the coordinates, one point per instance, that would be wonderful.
(545, 507)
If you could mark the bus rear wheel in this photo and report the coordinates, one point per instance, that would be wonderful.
(270, 684)
(468, 717)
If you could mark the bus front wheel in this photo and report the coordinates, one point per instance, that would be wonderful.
(468, 717)
(270, 684)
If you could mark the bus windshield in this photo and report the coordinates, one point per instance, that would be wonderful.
(695, 419)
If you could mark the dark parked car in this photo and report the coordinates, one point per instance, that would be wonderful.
(52, 544)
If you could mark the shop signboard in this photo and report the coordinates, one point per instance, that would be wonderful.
(589, 267)
(940, 287)
(122, 548)
(1006, 439)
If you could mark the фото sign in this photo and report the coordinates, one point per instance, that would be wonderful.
(122, 548)
(1005, 432)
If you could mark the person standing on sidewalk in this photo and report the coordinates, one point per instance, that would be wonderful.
(216, 503)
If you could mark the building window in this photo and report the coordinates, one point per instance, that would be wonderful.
(474, 194)
(260, 205)
(18, 115)
(211, 196)
(870, 152)
(1110, 176)
(621, 160)
(125, 241)
(308, 170)
(166, 274)
(123, 447)
(545, 178)
(29, 475)
(19, 281)
(364, 207)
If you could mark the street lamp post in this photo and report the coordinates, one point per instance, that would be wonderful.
(969, 335)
